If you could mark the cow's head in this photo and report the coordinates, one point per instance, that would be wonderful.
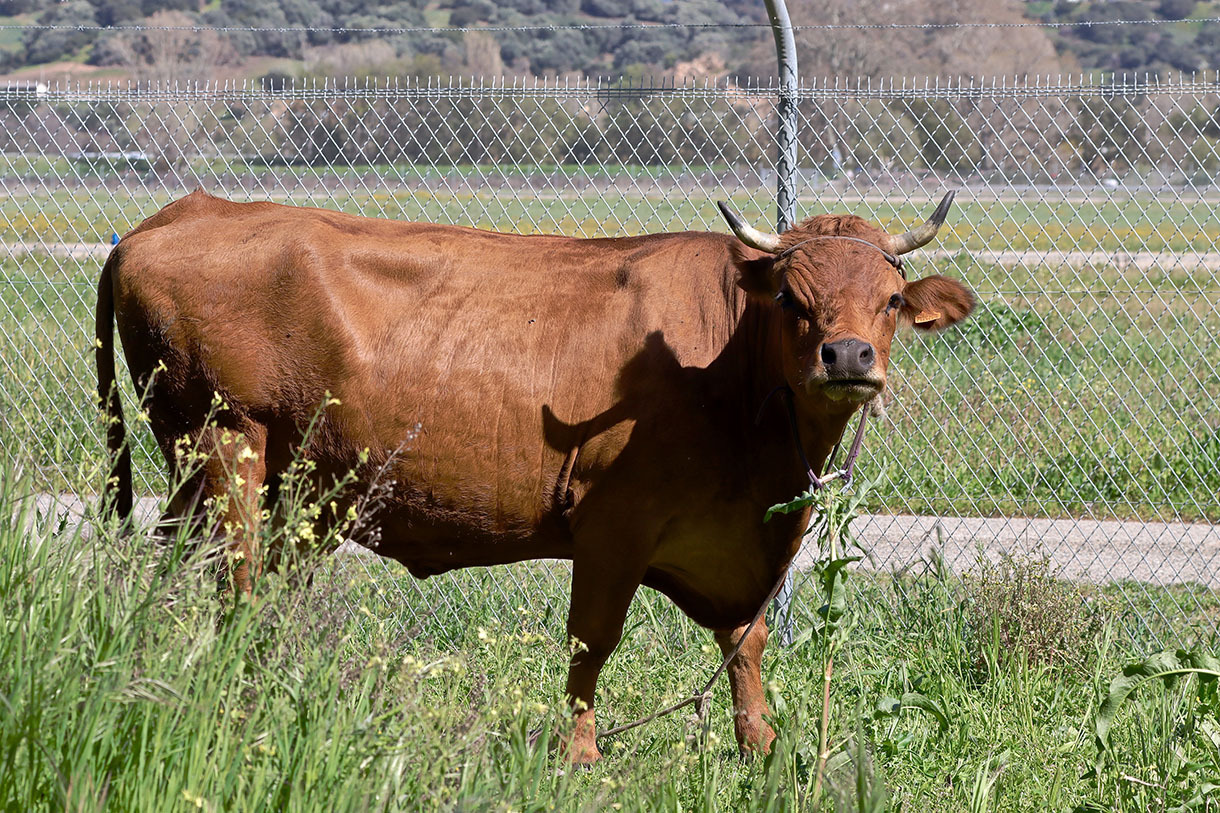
(840, 284)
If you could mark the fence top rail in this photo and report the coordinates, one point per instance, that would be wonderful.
(734, 89)
(391, 87)
(1013, 87)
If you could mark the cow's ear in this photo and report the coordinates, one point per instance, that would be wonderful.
(759, 277)
(935, 302)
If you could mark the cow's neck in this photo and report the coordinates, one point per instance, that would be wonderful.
(764, 415)
(820, 429)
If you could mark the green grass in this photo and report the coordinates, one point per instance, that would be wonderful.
(128, 683)
(1051, 403)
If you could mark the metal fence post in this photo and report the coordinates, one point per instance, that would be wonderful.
(785, 196)
(785, 140)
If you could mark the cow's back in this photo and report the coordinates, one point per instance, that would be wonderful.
(473, 358)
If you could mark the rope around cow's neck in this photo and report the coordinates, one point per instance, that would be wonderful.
(816, 483)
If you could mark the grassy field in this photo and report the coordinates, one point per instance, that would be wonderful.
(1130, 222)
(128, 683)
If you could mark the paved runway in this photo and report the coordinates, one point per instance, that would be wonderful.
(1097, 551)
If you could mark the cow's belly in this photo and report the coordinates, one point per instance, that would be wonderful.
(451, 495)
(429, 543)
(474, 454)
(489, 467)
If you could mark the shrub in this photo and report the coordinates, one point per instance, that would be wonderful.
(1017, 607)
(1176, 9)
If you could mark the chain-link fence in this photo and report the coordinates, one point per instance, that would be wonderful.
(1076, 413)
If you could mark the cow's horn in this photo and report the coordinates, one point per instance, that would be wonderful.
(761, 240)
(922, 235)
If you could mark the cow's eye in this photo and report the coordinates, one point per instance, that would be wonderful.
(896, 302)
(785, 300)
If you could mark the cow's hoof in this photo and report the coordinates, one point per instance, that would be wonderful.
(581, 752)
(581, 747)
(586, 756)
(754, 740)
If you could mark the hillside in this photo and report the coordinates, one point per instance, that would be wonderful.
(600, 49)
(1188, 45)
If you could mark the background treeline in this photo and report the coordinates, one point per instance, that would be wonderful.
(596, 51)
(1085, 43)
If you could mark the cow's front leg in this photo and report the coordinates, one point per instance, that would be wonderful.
(601, 593)
(754, 735)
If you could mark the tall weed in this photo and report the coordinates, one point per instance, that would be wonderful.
(1017, 608)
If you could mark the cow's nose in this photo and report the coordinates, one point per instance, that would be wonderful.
(847, 358)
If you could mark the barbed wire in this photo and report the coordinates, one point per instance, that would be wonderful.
(461, 29)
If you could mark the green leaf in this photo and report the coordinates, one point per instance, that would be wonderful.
(1211, 730)
(915, 700)
(1207, 792)
(836, 597)
(889, 706)
(797, 504)
(1167, 667)
(982, 790)
(837, 761)
(1208, 664)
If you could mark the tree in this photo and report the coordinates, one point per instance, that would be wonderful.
(355, 59)
(1193, 142)
(115, 12)
(266, 14)
(947, 142)
(43, 45)
(481, 55)
(939, 51)
(983, 51)
(168, 51)
(843, 51)
(1176, 9)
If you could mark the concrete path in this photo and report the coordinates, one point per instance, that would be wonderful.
(71, 251)
(1120, 259)
(1080, 549)
(1161, 553)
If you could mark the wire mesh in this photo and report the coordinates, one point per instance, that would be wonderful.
(1075, 413)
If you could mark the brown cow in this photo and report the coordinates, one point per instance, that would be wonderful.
(592, 400)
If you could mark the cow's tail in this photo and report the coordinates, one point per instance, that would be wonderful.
(117, 495)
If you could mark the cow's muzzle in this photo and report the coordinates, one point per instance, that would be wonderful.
(851, 372)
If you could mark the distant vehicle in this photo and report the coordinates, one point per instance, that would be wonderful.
(130, 159)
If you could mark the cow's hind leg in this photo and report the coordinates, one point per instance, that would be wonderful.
(602, 589)
(234, 469)
(754, 735)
